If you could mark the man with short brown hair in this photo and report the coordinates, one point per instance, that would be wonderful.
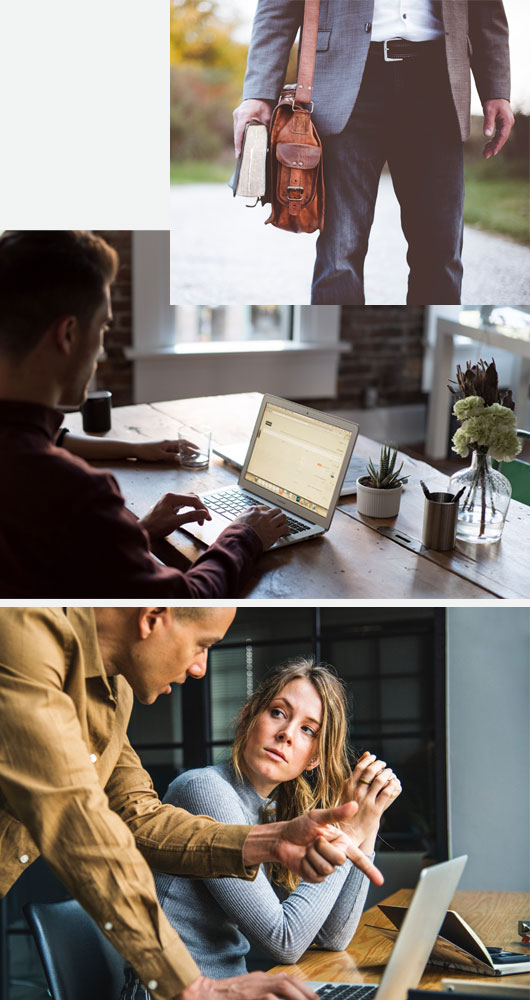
(64, 527)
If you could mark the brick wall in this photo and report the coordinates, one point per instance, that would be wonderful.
(386, 354)
(115, 373)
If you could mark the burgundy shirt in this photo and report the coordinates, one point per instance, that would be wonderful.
(65, 531)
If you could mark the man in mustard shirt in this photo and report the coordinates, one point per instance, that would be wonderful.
(73, 789)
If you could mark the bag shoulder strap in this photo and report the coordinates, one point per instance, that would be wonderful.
(308, 48)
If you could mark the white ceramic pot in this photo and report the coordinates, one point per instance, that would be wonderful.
(378, 503)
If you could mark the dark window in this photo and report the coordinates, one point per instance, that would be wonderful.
(393, 660)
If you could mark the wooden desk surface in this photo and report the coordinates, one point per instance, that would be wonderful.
(493, 915)
(352, 560)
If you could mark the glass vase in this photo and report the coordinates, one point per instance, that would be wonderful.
(484, 502)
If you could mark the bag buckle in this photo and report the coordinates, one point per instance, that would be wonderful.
(295, 187)
(387, 57)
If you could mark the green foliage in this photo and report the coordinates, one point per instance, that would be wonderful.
(385, 476)
(497, 203)
(201, 113)
(200, 172)
(207, 72)
(497, 189)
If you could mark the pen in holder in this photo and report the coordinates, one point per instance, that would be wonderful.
(440, 516)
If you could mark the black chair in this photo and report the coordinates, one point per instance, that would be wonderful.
(401, 870)
(36, 884)
(79, 962)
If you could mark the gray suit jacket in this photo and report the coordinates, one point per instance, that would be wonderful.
(476, 37)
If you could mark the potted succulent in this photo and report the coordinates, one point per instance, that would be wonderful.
(379, 491)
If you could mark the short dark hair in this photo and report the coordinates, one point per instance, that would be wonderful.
(191, 614)
(48, 274)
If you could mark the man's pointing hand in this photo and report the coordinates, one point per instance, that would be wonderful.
(309, 845)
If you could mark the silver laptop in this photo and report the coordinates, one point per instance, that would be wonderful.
(419, 930)
(296, 460)
(235, 454)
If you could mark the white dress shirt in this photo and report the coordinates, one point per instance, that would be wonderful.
(414, 20)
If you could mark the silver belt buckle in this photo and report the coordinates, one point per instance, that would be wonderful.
(385, 51)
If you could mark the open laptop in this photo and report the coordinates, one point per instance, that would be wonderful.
(235, 454)
(419, 930)
(296, 460)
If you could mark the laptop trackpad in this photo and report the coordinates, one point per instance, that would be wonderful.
(208, 532)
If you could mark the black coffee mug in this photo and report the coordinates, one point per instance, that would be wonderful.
(96, 412)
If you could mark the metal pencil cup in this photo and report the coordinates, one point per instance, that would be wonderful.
(439, 522)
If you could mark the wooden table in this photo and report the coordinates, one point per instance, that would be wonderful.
(493, 915)
(352, 560)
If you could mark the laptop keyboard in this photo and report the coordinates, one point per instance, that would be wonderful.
(346, 991)
(233, 502)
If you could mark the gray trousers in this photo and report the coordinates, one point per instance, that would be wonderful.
(405, 116)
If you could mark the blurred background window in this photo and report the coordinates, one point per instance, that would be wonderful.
(207, 324)
(393, 661)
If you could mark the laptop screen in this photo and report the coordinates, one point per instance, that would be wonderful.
(298, 457)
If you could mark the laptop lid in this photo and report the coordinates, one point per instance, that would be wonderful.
(298, 457)
(434, 891)
(419, 930)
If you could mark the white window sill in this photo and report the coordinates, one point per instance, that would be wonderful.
(211, 349)
(294, 370)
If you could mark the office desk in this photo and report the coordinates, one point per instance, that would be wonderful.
(352, 560)
(493, 915)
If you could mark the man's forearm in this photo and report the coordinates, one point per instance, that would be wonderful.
(260, 844)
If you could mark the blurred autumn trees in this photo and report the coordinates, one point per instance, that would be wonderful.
(207, 70)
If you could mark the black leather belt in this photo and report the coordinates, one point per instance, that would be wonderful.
(399, 49)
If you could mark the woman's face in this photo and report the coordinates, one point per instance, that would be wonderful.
(284, 739)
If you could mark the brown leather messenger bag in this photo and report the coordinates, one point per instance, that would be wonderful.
(295, 171)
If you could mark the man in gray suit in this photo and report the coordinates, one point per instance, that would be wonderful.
(392, 84)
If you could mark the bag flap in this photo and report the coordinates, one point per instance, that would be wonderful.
(294, 154)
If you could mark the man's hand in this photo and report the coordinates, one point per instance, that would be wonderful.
(310, 845)
(498, 122)
(270, 523)
(156, 451)
(164, 517)
(247, 110)
(374, 787)
(253, 986)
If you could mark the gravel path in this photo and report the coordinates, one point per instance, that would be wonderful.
(222, 253)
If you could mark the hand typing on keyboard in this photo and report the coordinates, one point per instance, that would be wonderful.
(270, 523)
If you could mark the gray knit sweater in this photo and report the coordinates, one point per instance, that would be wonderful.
(216, 917)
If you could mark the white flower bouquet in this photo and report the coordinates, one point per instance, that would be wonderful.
(486, 415)
(488, 430)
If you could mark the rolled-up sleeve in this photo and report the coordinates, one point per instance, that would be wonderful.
(170, 838)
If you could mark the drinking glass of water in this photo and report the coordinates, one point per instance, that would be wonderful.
(194, 446)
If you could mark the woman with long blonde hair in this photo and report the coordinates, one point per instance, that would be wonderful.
(289, 755)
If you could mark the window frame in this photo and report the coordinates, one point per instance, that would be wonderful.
(198, 745)
(305, 367)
